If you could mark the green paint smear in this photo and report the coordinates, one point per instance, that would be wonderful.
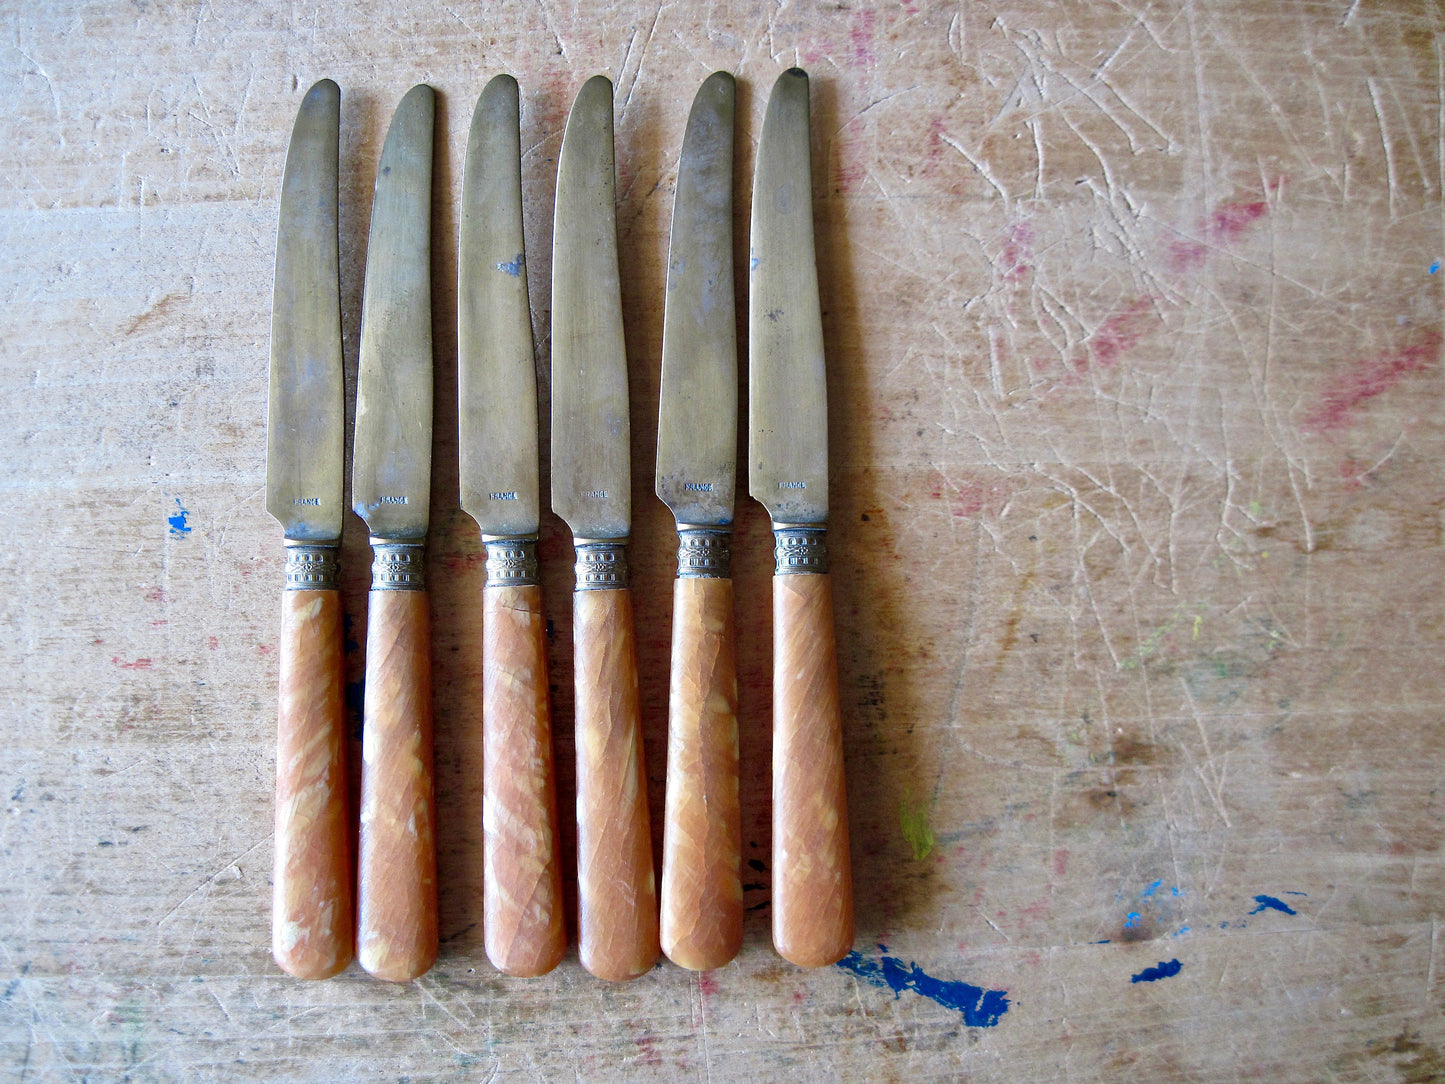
(916, 830)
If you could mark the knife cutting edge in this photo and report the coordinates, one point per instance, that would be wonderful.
(788, 473)
(312, 932)
(522, 887)
(390, 489)
(591, 491)
(702, 896)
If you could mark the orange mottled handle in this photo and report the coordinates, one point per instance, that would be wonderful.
(523, 885)
(702, 894)
(616, 884)
(397, 897)
(812, 882)
(311, 917)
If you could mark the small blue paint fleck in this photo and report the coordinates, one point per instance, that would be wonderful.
(1435, 267)
(179, 528)
(1296, 893)
(1103, 942)
(1150, 890)
(1269, 903)
(1176, 891)
(1163, 970)
(1132, 920)
(513, 267)
(1181, 931)
(980, 1008)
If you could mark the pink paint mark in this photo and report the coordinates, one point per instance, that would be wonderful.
(1061, 862)
(1013, 261)
(861, 36)
(265, 649)
(707, 985)
(1350, 390)
(1227, 223)
(1121, 332)
(155, 594)
(139, 664)
(648, 1045)
(213, 642)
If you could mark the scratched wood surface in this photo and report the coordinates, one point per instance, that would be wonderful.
(1134, 338)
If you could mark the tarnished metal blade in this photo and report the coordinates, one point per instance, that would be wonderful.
(391, 458)
(698, 409)
(787, 396)
(304, 425)
(497, 377)
(590, 457)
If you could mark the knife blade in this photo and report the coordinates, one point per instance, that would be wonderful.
(497, 424)
(390, 490)
(311, 915)
(702, 896)
(617, 891)
(788, 474)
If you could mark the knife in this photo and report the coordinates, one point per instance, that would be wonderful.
(311, 921)
(702, 895)
(497, 399)
(788, 473)
(616, 889)
(390, 490)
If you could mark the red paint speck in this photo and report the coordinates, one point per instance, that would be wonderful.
(1121, 332)
(862, 37)
(1061, 862)
(1366, 379)
(265, 649)
(1227, 223)
(139, 664)
(1013, 261)
(707, 985)
(213, 642)
(155, 594)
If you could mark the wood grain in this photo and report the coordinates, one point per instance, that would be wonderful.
(702, 893)
(812, 876)
(397, 880)
(312, 931)
(616, 883)
(524, 929)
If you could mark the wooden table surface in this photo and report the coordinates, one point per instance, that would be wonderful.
(1133, 327)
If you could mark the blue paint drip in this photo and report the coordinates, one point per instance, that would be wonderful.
(179, 527)
(1133, 920)
(513, 267)
(1163, 970)
(1150, 890)
(980, 1008)
(1269, 903)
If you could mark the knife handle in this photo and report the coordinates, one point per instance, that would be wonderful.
(616, 883)
(312, 932)
(397, 896)
(702, 893)
(522, 889)
(812, 881)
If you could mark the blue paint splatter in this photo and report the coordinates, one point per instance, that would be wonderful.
(1150, 890)
(1435, 267)
(1181, 931)
(1133, 920)
(980, 1008)
(1272, 904)
(1163, 970)
(179, 527)
(513, 267)
(1176, 891)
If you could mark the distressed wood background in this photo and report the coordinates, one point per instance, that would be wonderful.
(1133, 319)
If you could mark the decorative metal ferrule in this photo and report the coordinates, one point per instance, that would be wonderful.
(512, 562)
(310, 567)
(704, 553)
(398, 566)
(799, 550)
(601, 566)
